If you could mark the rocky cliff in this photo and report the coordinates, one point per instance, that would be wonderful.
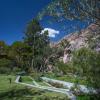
(89, 38)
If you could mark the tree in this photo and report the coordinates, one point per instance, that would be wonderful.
(18, 52)
(32, 32)
(39, 44)
(6, 64)
(64, 68)
(72, 9)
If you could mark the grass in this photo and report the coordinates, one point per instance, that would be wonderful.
(88, 97)
(67, 78)
(52, 96)
(72, 79)
(8, 90)
(26, 79)
(42, 83)
(5, 83)
(15, 91)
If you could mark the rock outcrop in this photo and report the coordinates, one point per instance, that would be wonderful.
(89, 38)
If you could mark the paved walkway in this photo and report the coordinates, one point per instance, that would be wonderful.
(60, 90)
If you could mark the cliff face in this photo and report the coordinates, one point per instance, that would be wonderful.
(89, 38)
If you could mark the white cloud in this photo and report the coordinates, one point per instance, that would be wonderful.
(51, 32)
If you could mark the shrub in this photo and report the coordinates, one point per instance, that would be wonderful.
(5, 66)
(57, 85)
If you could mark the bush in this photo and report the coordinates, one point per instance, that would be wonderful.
(36, 76)
(87, 64)
(65, 68)
(5, 66)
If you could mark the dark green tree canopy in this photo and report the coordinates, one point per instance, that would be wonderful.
(39, 44)
(32, 31)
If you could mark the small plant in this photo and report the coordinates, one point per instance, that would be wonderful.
(75, 89)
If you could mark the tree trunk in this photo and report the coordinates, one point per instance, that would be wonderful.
(32, 64)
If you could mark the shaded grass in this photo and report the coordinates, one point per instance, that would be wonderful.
(88, 97)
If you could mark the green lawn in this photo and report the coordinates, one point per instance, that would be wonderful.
(15, 91)
(26, 79)
(43, 83)
(5, 83)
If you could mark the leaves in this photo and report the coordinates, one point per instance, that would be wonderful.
(72, 9)
(86, 62)
(39, 44)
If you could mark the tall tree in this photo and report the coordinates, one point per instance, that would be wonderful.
(39, 44)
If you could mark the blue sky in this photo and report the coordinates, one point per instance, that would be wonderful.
(15, 14)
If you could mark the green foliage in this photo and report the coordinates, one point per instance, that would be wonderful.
(72, 78)
(32, 32)
(65, 68)
(29, 55)
(88, 97)
(87, 63)
(6, 66)
(39, 43)
(3, 48)
(36, 75)
(20, 52)
(72, 9)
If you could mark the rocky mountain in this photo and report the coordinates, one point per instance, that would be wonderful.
(89, 38)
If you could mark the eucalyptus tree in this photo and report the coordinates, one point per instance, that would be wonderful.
(39, 44)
